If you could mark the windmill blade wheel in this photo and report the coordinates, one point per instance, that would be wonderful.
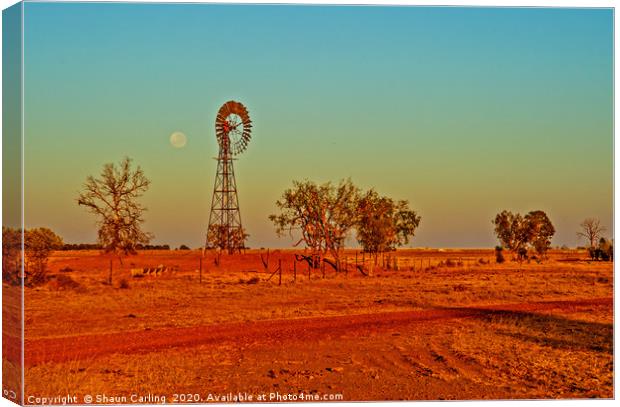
(233, 127)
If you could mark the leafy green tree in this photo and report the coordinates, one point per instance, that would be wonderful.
(519, 233)
(383, 224)
(512, 231)
(541, 231)
(320, 215)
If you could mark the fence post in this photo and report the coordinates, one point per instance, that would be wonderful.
(294, 270)
(200, 275)
(280, 273)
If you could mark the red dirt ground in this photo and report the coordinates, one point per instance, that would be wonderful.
(248, 333)
(437, 324)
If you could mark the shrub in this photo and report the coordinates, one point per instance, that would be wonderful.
(38, 245)
(64, 282)
(593, 252)
(123, 284)
(499, 255)
(11, 255)
(522, 254)
(606, 249)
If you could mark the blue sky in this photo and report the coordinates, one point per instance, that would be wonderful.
(462, 111)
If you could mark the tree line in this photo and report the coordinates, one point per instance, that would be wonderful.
(139, 246)
(319, 216)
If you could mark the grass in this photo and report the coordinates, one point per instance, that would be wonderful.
(542, 356)
(499, 355)
(179, 300)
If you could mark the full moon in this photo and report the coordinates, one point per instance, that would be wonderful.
(178, 139)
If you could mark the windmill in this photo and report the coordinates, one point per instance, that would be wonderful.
(232, 129)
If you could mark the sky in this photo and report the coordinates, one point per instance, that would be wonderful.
(463, 112)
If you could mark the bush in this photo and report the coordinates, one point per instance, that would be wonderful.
(64, 282)
(11, 255)
(123, 284)
(38, 245)
(604, 251)
(593, 252)
(499, 255)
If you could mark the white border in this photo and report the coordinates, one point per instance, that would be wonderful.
(475, 3)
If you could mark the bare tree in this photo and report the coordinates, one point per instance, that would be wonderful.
(113, 197)
(591, 230)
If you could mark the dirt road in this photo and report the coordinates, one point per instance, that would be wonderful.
(266, 331)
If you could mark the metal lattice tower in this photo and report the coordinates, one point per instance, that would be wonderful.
(232, 128)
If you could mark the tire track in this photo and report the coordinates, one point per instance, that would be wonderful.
(261, 332)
